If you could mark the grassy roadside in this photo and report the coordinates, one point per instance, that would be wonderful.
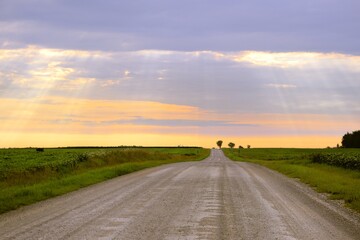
(26, 180)
(339, 183)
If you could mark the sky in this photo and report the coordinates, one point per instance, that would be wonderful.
(107, 73)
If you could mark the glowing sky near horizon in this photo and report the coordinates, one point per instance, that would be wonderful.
(268, 74)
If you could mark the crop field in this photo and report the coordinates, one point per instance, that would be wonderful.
(345, 160)
(332, 171)
(291, 153)
(28, 176)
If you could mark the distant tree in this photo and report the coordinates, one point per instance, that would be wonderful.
(248, 146)
(219, 143)
(351, 140)
(231, 145)
(240, 147)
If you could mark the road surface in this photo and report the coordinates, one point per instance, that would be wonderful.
(212, 199)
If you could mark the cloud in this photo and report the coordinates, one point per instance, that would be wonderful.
(216, 81)
(40, 68)
(283, 86)
(187, 26)
(50, 108)
(178, 67)
(298, 60)
(33, 121)
(87, 116)
(179, 122)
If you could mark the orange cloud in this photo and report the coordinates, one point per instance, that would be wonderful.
(84, 115)
(72, 115)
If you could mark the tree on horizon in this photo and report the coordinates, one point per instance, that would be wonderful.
(351, 140)
(219, 143)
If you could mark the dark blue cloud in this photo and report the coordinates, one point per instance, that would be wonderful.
(280, 25)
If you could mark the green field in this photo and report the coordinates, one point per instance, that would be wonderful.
(336, 174)
(28, 176)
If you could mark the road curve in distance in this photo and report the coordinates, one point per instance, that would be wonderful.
(212, 199)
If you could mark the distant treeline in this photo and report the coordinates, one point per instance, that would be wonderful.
(96, 147)
(351, 140)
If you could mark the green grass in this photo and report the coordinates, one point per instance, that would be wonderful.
(27, 176)
(340, 183)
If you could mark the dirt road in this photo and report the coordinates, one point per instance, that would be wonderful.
(212, 199)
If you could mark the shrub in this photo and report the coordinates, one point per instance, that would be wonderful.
(350, 161)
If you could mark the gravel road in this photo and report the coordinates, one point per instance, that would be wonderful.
(212, 199)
